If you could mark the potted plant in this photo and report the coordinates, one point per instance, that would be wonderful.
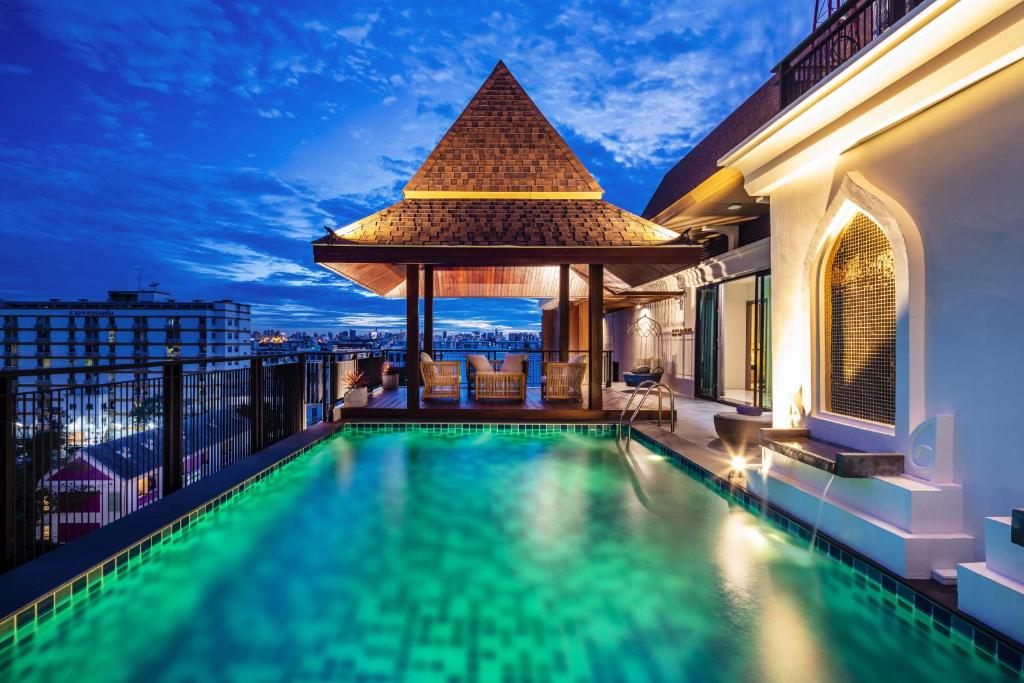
(355, 390)
(388, 376)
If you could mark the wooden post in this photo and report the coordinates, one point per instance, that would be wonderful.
(428, 309)
(412, 336)
(563, 312)
(8, 418)
(596, 320)
(173, 400)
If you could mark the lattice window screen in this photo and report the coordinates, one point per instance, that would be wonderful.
(860, 324)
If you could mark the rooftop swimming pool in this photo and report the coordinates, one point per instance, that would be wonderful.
(451, 555)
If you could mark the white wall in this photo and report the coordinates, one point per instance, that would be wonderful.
(676, 351)
(954, 174)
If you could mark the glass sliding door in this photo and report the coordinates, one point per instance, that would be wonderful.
(733, 354)
(763, 343)
(707, 342)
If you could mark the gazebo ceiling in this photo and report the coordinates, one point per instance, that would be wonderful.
(503, 198)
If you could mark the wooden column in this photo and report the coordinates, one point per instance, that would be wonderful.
(428, 309)
(412, 336)
(563, 312)
(596, 321)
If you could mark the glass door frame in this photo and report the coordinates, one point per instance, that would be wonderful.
(762, 339)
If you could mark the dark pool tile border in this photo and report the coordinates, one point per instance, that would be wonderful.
(457, 428)
(92, 579)
(943, 620)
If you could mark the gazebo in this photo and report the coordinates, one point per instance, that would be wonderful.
(503, 208)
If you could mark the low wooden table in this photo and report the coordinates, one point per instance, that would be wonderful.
(508, 386)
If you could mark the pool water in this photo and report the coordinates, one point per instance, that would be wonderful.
(420, 556)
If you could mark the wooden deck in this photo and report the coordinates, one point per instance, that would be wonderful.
(392, 405)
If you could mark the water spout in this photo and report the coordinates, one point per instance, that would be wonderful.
(817, 519)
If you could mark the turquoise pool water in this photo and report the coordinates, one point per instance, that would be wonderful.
(486, 557)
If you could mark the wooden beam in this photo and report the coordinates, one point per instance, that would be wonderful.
(428, 309)
(412, 336)
(563, 312)
(459, 255)
(596, 321)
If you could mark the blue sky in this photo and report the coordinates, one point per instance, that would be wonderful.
(205, 143)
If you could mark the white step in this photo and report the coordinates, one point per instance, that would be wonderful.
(991, 598)
(1001, 555)
(946, 576)
(914, 505)
(909, 554)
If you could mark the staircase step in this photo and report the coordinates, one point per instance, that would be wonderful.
(945, 576)
(992, 598)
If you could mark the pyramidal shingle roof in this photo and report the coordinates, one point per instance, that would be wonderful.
(502, 146)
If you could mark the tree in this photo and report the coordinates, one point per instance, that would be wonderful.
(147, 410)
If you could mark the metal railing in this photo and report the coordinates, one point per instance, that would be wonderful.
(647, 386)
(535, 360)
(77, 456)
(847, 30)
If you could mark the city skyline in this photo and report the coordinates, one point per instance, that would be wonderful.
(203, 147)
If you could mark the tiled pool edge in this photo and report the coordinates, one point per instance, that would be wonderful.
(91, 580)
(985, 639)
(946, 622)
(526, 428)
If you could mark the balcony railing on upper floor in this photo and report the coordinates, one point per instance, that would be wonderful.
(845, 33)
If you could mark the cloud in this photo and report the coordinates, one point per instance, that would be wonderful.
(147, 163)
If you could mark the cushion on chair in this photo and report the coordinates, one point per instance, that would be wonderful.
(425, 357)
(656, 365)
(513, 363)
(479, 363)
(642, 369)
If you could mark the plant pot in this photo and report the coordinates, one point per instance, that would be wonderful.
(356, 398)
(389, 382)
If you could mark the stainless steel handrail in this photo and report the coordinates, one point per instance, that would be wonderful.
(650, 386)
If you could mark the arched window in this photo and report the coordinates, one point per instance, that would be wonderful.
(860, 324)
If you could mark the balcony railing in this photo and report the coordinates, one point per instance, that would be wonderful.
(74, 457)
(535, 360)
(848, 30)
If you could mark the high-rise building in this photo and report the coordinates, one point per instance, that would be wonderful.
(128, 328)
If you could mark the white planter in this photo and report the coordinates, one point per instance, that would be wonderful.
(389, 382)
(356, 398)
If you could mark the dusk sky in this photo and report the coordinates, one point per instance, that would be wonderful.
(205, 144)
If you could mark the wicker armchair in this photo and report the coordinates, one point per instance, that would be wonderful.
(471, 373)
(563, 380)
(508, 386)
(441, 378)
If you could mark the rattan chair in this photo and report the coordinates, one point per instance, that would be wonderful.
(563, 381)
(441, 378)
(508, 386)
